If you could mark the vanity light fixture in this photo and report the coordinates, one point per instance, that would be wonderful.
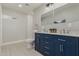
(61, 21)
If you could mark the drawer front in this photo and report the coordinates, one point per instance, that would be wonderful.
(45, 43)
(46, 47)
(46, 52)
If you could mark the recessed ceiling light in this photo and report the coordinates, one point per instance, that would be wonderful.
(20, 5)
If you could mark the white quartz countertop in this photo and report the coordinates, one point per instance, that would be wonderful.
(74, 35)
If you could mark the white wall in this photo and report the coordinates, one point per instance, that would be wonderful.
(0, 23)
(14, 29)
(0, 27)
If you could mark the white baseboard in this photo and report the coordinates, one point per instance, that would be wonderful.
(13, 42)
(29, 40)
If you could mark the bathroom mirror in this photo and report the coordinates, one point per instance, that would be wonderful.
(65, 19)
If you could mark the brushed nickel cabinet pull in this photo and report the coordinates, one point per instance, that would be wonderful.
(61, 48)
(46, 42)
(62, 40)
(47, 47)
(46, 37)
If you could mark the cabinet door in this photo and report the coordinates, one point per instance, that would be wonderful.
(58, 45)
(70, 46)
(51, 44)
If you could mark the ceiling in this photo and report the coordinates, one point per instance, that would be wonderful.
(25, 7)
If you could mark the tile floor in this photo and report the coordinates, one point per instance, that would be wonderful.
(19, 49)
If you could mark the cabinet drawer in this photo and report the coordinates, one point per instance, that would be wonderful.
(46, 39)
(46, 52)
(45, 42)
(46, 47)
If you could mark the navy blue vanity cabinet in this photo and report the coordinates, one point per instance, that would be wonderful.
(56, 45)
